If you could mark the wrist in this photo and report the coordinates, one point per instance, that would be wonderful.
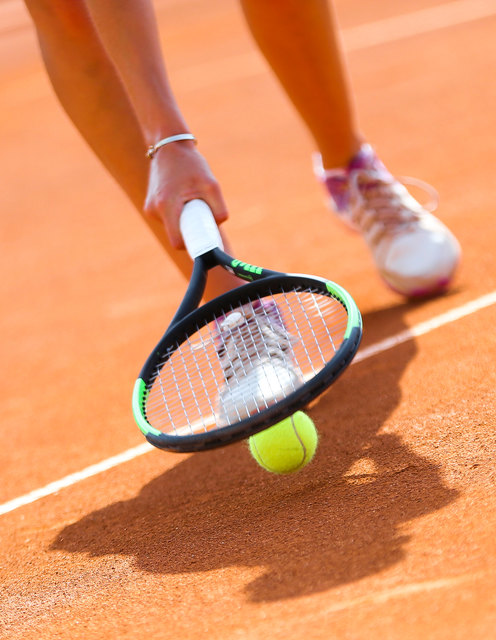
(161, 119)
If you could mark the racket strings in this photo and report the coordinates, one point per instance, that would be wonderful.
(251, 335)
(316, 340)
(256, 359)
(244, 360)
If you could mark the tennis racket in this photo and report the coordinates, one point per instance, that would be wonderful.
(246, 360)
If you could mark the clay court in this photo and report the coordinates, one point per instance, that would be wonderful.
(389, 533)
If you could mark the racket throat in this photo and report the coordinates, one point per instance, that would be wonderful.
(195, 290)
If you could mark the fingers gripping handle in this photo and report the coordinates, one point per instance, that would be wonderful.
(199, 229)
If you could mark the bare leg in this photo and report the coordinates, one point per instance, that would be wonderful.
(78, 65)
(300, 42)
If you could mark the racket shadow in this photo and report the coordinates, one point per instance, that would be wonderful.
(338, 521)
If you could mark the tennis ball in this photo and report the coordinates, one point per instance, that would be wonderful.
(287, 446)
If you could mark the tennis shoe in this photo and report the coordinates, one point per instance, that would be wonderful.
(415, 253)
(255, 352)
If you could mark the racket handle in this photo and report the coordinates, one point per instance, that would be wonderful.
(199, 229)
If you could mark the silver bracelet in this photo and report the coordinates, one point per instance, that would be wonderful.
(152, 149)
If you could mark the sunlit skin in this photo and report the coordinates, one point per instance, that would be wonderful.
(84, 43)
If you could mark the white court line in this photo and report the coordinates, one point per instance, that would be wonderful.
(416, 23)
(74, 478)
(402, 591)
(420, 329)
(363, 36)
(427, 326)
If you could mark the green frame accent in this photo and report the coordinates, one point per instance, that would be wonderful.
(354, 316)
(139, 397)
(246, 270)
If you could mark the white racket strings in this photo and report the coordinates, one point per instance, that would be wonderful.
(249, 357)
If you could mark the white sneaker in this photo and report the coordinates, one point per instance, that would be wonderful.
(415, 253)
(255, 352)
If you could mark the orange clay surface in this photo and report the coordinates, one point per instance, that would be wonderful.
(389, 533)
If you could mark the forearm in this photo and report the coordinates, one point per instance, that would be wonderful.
(91, 90)
(128, 30)
(178, 173)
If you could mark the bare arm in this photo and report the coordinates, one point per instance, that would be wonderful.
(78, 65)
(178, 173)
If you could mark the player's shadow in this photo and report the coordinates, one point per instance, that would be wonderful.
(342, 518)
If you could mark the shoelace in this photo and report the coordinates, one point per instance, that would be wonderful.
(430, 205)
(249, 339)
(381, 205)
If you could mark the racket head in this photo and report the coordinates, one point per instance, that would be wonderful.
(180, 397)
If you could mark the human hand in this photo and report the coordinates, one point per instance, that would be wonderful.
(178, 173)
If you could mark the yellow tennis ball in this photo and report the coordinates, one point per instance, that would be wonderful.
(287, 446)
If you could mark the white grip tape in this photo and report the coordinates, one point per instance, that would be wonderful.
(199, 229)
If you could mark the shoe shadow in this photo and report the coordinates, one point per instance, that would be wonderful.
(339, 520)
